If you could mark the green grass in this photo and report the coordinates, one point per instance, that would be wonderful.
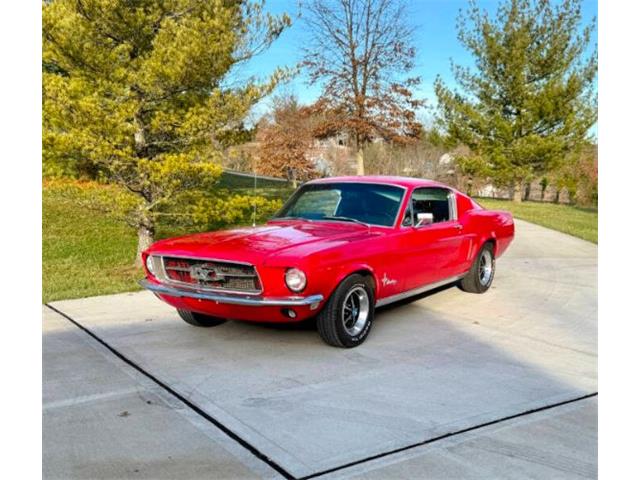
(232, 181)
(87, 253)
(243, 185)
(576, 221)
(84, 252)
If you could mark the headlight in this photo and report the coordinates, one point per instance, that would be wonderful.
(295, 279)
(150, 265)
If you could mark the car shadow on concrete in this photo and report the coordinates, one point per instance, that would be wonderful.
(310, 323)
(311, 408)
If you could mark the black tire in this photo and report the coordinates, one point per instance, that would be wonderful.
(199, 319)
(331, 326)
(477, 279)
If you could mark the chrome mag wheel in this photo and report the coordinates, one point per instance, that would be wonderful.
(486, 268)
(355, 310)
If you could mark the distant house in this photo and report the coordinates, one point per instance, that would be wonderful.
(331, 155)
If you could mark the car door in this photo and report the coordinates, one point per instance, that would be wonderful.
(431, 251)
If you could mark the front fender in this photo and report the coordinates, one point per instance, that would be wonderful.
(343, 271)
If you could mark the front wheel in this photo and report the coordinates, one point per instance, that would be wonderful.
(345, 321)
(480, 277)
(199, 319)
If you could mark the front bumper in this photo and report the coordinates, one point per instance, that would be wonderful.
(313, 301)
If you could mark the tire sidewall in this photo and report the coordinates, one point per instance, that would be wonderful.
(345, 338)
(199, 319)
(481, 287)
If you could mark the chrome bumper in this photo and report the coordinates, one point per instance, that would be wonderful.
(233, 298)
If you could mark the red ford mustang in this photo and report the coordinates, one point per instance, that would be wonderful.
(336, 250)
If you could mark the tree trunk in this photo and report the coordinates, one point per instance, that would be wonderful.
(145, 239)
(527, 191)
(146, 227)
(517, 192)
(360, 160)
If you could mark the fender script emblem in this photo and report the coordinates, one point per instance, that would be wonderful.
(388, 281)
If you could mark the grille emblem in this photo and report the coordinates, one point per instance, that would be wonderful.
(201, 273)
(212, 274)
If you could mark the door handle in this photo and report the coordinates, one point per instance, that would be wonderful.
(458, 227)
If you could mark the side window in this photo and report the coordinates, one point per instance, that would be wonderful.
(435, 201)
(407, 220)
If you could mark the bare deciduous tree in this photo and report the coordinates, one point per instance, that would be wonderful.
(361, 50)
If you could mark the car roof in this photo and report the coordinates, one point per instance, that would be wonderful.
(382, 179)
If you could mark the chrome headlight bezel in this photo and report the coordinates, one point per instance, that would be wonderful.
(295, 280)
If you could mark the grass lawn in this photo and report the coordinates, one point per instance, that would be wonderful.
(84, 253)
(576, 221)
(87, 253)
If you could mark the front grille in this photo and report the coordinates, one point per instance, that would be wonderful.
(212, 274)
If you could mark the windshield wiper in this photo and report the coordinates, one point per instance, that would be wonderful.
(344, 219)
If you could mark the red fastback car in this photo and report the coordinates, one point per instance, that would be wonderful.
(336, 250)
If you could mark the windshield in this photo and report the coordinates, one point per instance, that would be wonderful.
(370, 203)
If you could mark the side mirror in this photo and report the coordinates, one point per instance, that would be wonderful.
(424, 219)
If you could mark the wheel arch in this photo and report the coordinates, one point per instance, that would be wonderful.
(360, 269)
(491, 240)
(480, 242)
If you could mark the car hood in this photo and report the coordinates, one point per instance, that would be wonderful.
(260, 245)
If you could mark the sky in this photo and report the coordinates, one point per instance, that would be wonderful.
(434, 38)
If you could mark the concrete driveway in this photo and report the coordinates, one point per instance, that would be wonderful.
(448, 385)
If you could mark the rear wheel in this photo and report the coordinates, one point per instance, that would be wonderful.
(345, 321)
(199, 319)
(480, 277)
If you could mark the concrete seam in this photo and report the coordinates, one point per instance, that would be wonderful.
(272, 463)
(448, 435)
(257, 453)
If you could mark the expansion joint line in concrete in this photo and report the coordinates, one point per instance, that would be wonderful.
(257, 453)
(448, 435)
(273, 464)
